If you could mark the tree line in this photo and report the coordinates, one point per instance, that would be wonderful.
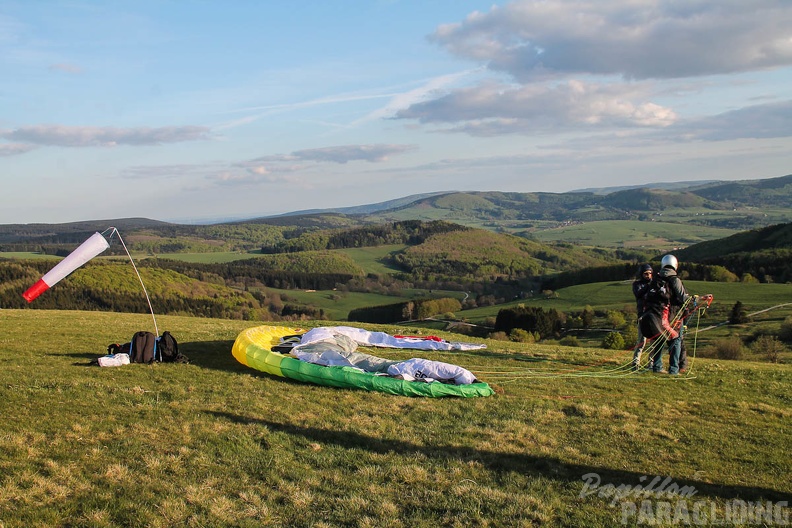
(410, 232)
(405, 311)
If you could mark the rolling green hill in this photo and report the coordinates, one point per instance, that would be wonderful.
(775, 237)
(564, 239)
(734, 206)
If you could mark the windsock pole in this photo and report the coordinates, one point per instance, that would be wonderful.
(114, 231)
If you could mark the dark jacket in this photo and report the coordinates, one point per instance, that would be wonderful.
(674, 284)
(639, 290)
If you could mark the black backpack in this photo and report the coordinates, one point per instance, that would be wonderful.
(657, 294)
(143, 347)
(146, 347)
(168, 349)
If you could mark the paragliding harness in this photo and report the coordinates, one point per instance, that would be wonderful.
(654, 321)
(145, 347)
(657, 293)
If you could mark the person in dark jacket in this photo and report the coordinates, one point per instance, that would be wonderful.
(639, 287)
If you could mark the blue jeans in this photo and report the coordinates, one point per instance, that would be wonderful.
(675, 353)
(674, 349)
(656, 359)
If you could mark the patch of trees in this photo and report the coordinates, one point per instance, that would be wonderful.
(405, 311)
(243, 272)
(410, 232)
(108, 287)
(769, 265)
(545, 323)
(761, 266)
(616, 272)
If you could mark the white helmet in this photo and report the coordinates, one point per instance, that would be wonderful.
(669, 261)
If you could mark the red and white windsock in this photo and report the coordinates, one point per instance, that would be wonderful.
(85, 252)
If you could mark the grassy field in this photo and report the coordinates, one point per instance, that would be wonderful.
(26, 255)
(200, 258)
(771, 304)
(214, 443)
(207, 258)
(632, 234)
(370, 258)
(338, 304)
(617, 295)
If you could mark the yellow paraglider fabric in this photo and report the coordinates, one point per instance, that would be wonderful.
(253, 349)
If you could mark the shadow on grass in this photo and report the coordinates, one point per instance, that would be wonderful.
(207, 354)
(212, 354)
(546, 467)
(216, 355)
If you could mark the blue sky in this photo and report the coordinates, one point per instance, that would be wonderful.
(196, 110)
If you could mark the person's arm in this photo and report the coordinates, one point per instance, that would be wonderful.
(678, 290)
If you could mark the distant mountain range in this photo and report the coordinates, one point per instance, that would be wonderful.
(613, 203)
(736, 205)
(670, 186)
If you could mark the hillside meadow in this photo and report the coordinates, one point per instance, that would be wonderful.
(213, 443)
(615, 295)
(657, 235)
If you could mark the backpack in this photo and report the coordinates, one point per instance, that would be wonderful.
(118, 348)
(657, 293)
(168, 349)
(146, 347)
(143, 347)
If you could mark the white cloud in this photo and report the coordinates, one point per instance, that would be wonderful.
(431, 88)
(277, 169)
(86, 136)
(493, 108)
(772, 120)
(167, 172)
(13, 149)
(574, 64)
(642, 39)
(341, 154)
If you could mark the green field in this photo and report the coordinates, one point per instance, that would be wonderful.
(201, 258)
(214, 443)
(338, 304)
(370, 258)
(25, 255)
(208, 258)
(618, 295)
(632, 234)
(771, 304)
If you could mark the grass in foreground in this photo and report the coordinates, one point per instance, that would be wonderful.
(213, 443)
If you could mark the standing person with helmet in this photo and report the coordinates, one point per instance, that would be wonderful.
(639, 287)
(654, 322)
(678, 296)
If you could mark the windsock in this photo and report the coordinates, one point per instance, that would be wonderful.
(85, 252)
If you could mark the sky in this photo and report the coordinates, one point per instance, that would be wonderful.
(206, 110)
